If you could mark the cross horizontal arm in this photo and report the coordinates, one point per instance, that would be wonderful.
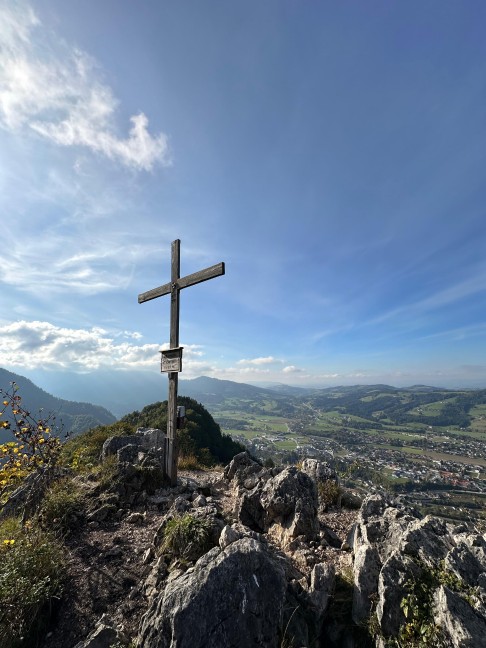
(155, 292)
(203, 275)
(184, 282)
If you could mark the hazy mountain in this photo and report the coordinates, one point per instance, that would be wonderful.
(120, 392)
(75, 416)
(123, 392)
(212, 389)
(281, 388)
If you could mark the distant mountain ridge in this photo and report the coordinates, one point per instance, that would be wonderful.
(124, 392)
(213, 387)
(76, 417)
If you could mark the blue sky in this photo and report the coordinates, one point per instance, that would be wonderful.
(331, 153)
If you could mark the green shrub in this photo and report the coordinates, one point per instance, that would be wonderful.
(329, 492)
(186, 537)
(62, 506)
(32, 570)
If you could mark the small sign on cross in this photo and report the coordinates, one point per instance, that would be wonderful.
(171, 360)
(173, 363)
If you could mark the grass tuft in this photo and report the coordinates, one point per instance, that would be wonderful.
(186, 537)
(189, 462)
(63, 506)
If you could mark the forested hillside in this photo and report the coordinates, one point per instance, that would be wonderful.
(73, 416)
(201, 435)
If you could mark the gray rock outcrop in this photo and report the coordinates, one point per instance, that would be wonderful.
(144, 438)
(104, 635)
(289, 501)
(441, 572)
(319, 471)
(231, 598)
(283, 503)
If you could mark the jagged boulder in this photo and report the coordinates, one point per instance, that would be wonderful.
(465, 627)
(238, 595)
(115, 443)
(231, 598)
(144, 438)
(249, 510)
(289, 500)
(104, 635)
(245, 471)
(439, 571)
(367, 567)
(321, 586)
(319, 471)
(393, 585)
(282, 502)
(139, 471)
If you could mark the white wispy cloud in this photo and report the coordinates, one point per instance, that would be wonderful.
(259, 361)
(291, 369)
(43, 345)
(472, 285)
(56, 91)
(52, 265)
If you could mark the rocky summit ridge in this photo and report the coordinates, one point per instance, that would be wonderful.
(256, 556)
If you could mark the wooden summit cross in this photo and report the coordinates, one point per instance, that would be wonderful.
(176, 284)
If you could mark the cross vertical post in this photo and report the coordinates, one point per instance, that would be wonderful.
(171, 450)
(177, 283)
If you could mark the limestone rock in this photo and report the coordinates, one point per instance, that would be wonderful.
(464, 627)
(322, 580)
(318, 471)
(155, 577)
(200, 500)
(249, 510)
(104, 635)
(330, 537)
(290, 500)
(135, 518)
(393, 583)
(396, 552)
(242, 467)
(113, 444)
(367, 567)
(145, 438)
(428, 539)
(462, 561)
(350, 500)
(229, 599)
(102, 513)
(228, 535)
